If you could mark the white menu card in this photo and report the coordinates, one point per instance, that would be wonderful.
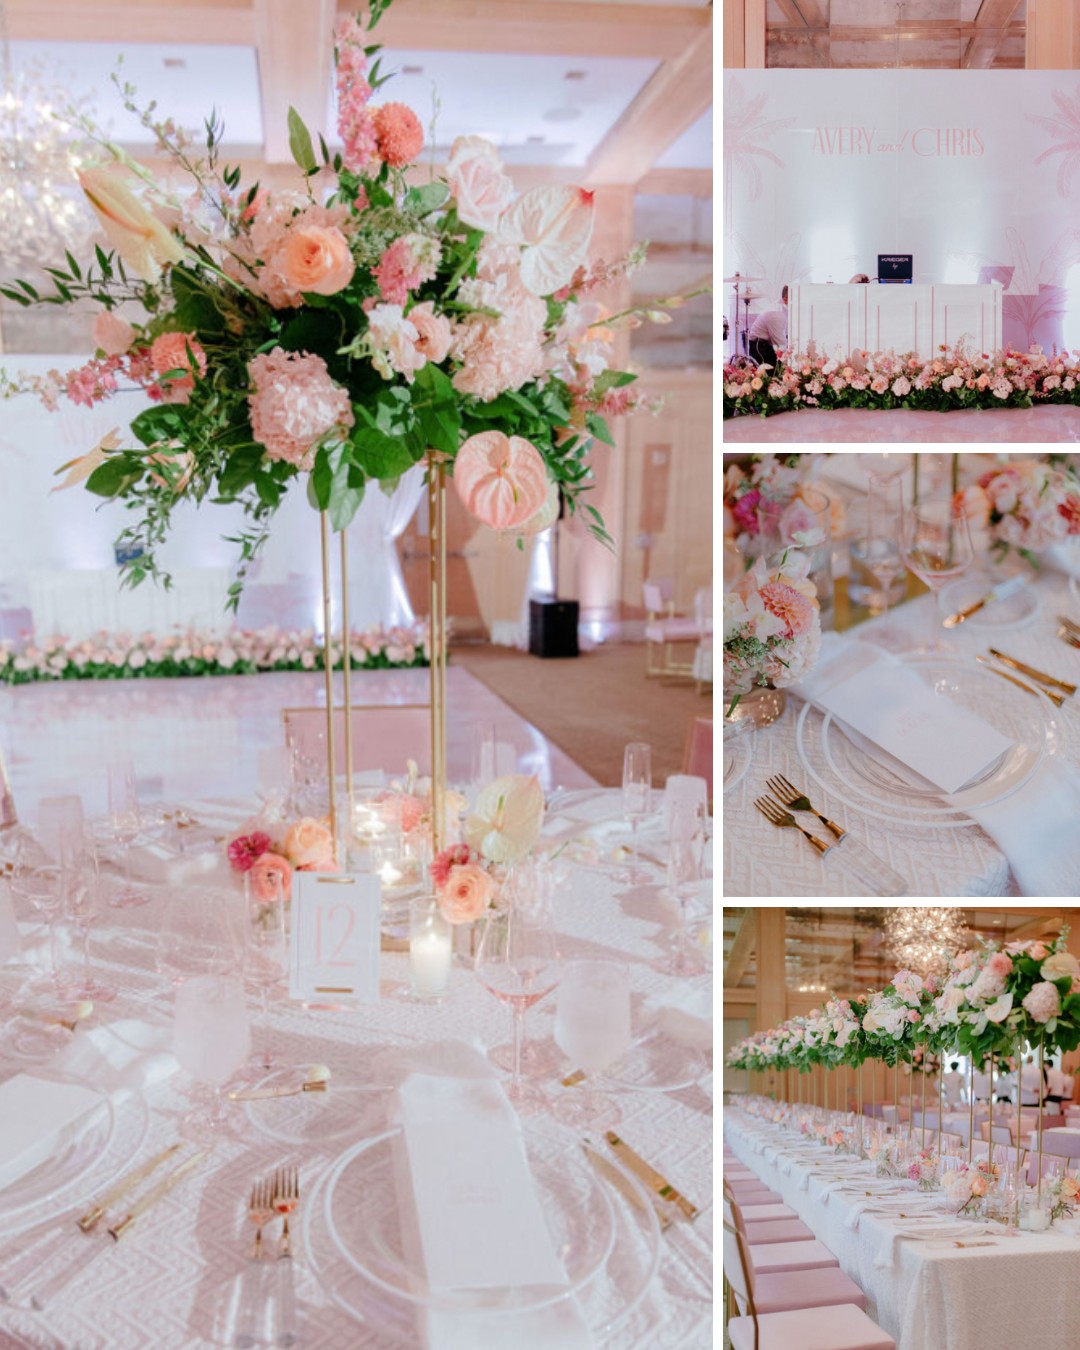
(334, 943)
(893, 708)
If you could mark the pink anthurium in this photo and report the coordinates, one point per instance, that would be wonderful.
(500, 479)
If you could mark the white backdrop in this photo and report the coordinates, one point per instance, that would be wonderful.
(975, 173)
(44, 533)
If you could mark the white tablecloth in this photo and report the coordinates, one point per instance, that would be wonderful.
(763, 861)
(1020, 1291)
(169, 1284)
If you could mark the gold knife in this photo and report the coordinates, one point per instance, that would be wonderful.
(163, 1187)
(1056, 699)
(1001, 592)
(262, 1094)
(633, 1162)
(612, 1174)
(1035, 674)
(92, 1216)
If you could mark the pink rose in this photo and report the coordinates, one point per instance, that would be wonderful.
(914, 1015)
(480, 189)
(1039, 951)
(433, 331)
(1000, 963)
(264, 872)
(310, 845)
(317, 259)
(466, 893)
(112, 334)
(978, 1185)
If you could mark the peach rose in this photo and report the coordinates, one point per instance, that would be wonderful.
(466, 893)
(112, 334)
(480, 189)
(316, 259)
(262, 874)
(433, 331)
(310, 845)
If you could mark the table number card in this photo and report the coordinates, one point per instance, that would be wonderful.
(335, 937)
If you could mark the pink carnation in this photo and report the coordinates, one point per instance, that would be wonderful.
(399, 133)
(295, 405)
(405, 266)
(246, 848)
(1043, 1002)
(176, 351)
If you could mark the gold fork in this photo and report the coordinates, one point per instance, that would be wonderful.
(260, 1210)
(794, 800)
(286, 1199)
(1070, 624)
(784, 819)
(1069, 635)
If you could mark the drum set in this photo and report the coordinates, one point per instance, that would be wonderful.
(741, 339)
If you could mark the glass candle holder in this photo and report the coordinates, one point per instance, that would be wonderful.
(430, 949)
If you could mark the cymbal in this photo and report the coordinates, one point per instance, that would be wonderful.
(737, 278)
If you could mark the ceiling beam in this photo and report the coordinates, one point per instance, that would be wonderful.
(195, 21)
(555, 28)
(677, 183)
(738, 958)
(990, 32)
(676, 96)
(791, 12)
(295, 45)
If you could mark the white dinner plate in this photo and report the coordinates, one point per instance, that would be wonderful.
(937, 1230)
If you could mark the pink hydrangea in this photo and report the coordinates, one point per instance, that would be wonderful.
(498, 354)
(295, 405)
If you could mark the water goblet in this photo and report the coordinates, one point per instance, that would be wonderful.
(592, 1028)
(125, 823)
(518, 962)
(936, 545)
(636, 804)
(211, 1040)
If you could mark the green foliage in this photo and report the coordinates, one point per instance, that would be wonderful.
(300, 143)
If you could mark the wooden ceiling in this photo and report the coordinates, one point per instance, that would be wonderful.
(880, 34)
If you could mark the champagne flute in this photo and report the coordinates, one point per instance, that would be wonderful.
(82, 906)
(518, 962)
(936, 545)
(636, 804)
(125, 823)
(211, 1039)
(686, 847)
(592, 1027)
(267, 965)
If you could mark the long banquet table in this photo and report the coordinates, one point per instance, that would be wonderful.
(172, 1283)
(925, 1295)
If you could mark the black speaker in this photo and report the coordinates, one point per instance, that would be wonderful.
(553, 626)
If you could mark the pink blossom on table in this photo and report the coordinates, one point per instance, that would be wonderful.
(309, 845)
(480, 189)
(398, 133)
(316, 259)
(409, 262)
(466, 893)
(395, 341)
(295, 405)
(787, 604)
(457, 855)
(1043, 1001)
(246, 848)
(264, 872)
(112, 334)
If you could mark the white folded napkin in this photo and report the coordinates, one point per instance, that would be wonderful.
(36, 1116)
(1035, 827)
(120, 1057)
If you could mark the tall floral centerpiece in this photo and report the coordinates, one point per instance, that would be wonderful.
(340, 334)
(1030, 505)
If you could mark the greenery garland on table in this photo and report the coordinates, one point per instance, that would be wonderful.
(120, 656)
(952, 380)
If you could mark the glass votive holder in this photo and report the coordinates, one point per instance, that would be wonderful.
(431, 948)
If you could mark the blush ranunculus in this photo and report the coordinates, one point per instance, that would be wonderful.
(466, 893)
(501, 480)
(478, 185)
(316, 259)
(112, 334)
(263, 874)
(309, 844)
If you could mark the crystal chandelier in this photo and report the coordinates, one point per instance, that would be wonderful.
(41, 210)
(923, 939)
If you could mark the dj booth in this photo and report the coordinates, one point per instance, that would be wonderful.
(914, 318)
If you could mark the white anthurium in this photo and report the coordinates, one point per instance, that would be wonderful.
(553, 227)
(505, 823)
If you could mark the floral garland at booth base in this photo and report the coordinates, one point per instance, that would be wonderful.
(952, 380)
(119, 656)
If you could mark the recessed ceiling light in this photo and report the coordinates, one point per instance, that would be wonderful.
(534, 140)
(575, 75)
(412, 70)
(562, 115)
(175, 63)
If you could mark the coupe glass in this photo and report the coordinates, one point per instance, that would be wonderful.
(211, 1039)
(125, 822)
(636, 803)
(936, 545)
(518, 962)
(267, 965)
(592, 1028)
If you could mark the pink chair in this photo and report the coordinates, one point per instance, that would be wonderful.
(818, 1309)
(774, 1257)
(698, 759)
(1056, 1146)
(382, 737)
(766, 1213)
(776, 1230)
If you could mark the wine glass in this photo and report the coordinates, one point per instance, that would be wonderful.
(592, 1027)
(636, 804)
(517, 961)
(267, 957)
(60, 820)
(876, 556)
(936, 545)
(202, 932)
(40, 884)
(125, 822)
(211, 1039)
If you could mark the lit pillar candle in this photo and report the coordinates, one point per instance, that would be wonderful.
(430, 949)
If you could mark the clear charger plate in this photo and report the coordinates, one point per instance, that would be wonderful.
(844, 771)
(347, 1108)
(609, 1247)
(656, 1063)
(87, 1158)
(737, 757)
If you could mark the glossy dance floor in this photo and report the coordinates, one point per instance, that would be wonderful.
(192, 738)
(843, 426)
